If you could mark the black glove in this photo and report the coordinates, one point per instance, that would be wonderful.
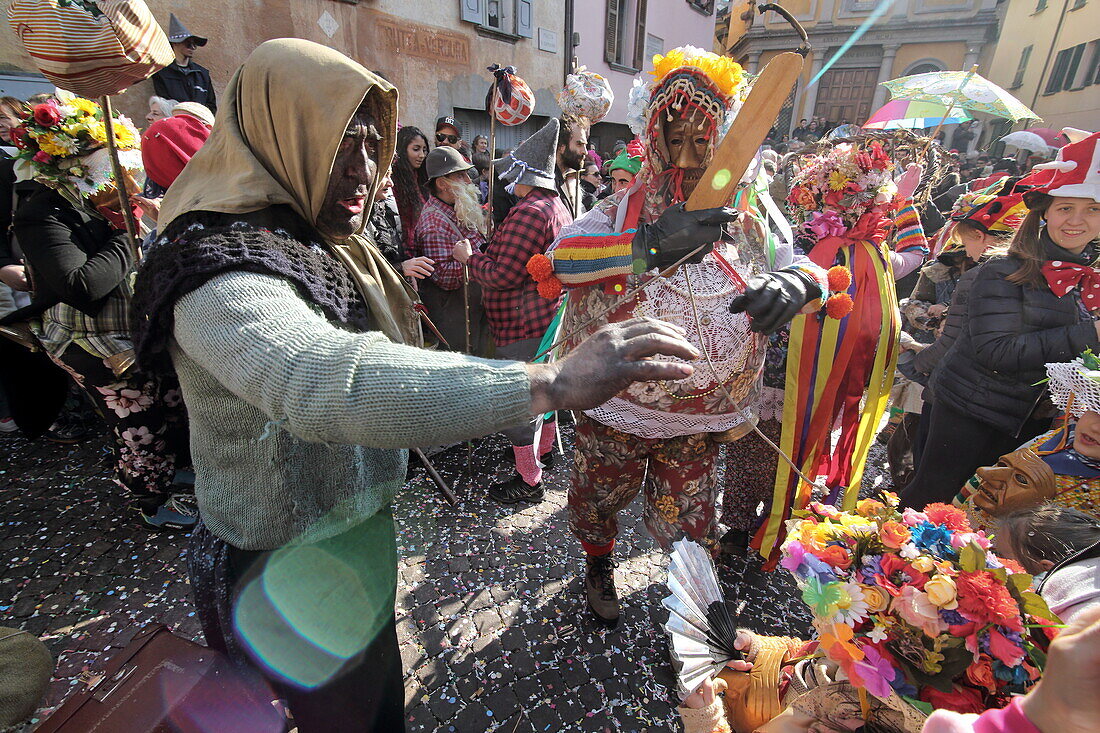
(677, 232)
(774, 298)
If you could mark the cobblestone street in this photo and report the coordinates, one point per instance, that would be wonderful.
(491, 618)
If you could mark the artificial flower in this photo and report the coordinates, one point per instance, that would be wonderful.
(912, 517)
(982, 598)
(980, 674)
(875, 671)
(875, 598)
(47, 114)
(85, 107)
(942, 592)
(55, 145)
(1007, 651)
(852, 607)
(838, 642)
(896, 572)
(878, 634)
(836, 557)
(914, 607)
(98, 132)
(822, 598)
(827, 223)
(960, 699)
(42, 157)
(909, 551)
(933, 538)
(894, 534)
(800, 196)
(837, 181)
(726, 73)
(924, 564)
(949, 516)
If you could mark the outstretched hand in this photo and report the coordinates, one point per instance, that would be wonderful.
(609, 361)
(910, 179)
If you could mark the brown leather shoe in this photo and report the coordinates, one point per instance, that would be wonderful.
(599, 587)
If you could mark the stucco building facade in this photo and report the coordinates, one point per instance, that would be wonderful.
(435, 51)
(1049, 57)
(912, 37)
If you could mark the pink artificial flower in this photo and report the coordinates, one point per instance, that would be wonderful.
(912, 517)
(1010, 653)
(125, 401)
(826, 223)
(875, 671)
(960, 540)
(42, 157)
(913, 606)
(793, 553)
(825, 510)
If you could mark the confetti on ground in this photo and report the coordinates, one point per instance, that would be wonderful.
(491, 617)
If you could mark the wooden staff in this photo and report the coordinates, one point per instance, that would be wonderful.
(436, 478)
(492, 155)
(120, 182)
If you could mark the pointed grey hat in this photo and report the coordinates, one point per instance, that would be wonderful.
(178, 33)
(534, 161)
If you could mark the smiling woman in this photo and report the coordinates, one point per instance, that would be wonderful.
(1038, 304)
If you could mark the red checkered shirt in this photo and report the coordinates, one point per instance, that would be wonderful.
(437, 230)
(515, 309)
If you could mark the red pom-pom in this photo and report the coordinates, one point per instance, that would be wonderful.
(635, 148)
(541, 267)
(840, 279)
(550, 288)
(839, 306)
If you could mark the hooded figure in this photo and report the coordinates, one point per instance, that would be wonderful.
(285, 326)
(288, 347)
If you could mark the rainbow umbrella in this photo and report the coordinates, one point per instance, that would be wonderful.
(909, 115)
(960, 90)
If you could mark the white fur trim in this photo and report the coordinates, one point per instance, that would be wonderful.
(1078, 191)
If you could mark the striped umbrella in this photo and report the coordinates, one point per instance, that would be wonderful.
(909, 115)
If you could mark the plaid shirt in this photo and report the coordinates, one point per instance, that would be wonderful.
(515, 309)
(437, 230)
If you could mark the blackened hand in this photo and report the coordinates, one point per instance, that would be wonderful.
(771, 300)
(679, 231)
(608, 362)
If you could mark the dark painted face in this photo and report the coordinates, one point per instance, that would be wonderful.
(353, 174)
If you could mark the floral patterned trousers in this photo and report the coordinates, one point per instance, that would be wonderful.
(147, 420)
(679, 476)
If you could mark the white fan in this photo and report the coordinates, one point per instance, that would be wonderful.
(700, 626)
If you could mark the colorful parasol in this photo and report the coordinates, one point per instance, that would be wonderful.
(960, 90)
(906, 114)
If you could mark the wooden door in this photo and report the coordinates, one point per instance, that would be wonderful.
(845, 95)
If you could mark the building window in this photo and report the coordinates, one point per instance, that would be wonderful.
(507, 17)
(625, 36)
(1094, 66)
(1064, 75)
(1021, 68)
(924, 67)
(705, 6)
(1041, 5)
(1078, 4)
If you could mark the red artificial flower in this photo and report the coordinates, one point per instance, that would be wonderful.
(832, 198)
(635, 148)
(960, 699)
(863, 160)
(1008, 652)
(42, 157)
(950, 516)
(47, 114)
(879, 159)
(836, 556)
(982, 598)
(1013, 566)
(840, 278)
(980, 674)
(896, 572)
(550, 288)
(540, 267)
(838, 306)
(16, 134)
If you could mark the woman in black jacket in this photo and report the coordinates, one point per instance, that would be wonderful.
(80, 264)
(987, 392)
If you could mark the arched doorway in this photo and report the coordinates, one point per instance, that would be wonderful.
(924, 66)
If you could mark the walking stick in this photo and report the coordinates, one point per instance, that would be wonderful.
(436, 478)
(492, 155)
(120, 183)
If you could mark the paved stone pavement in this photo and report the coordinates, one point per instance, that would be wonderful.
(493, 629)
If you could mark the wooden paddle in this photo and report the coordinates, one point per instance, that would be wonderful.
(760, 111)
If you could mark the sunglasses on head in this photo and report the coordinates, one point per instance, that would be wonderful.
(441, 137)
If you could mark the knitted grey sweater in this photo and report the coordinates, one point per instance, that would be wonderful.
(294, 421)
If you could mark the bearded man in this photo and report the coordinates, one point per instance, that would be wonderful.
(291, 336)
(659, 434)
(518, 314)
(452, 213)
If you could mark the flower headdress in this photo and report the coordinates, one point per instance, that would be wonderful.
(833, 190)
(916, 603)
(63, 141)
(688, 75)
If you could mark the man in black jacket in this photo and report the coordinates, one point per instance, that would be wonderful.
(185, 80)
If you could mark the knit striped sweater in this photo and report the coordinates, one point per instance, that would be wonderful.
(296, 424)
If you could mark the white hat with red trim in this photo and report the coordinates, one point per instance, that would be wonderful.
(1075, 173)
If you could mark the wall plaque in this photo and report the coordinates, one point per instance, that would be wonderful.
(423, 41)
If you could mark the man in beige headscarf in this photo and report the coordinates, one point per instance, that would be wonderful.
(285, 327)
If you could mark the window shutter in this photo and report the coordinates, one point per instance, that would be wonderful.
(611, 33)
(1021, 70)
(1072, 66)
(1058, 73)
(524, 19)
(639, 37)
(473, 11)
